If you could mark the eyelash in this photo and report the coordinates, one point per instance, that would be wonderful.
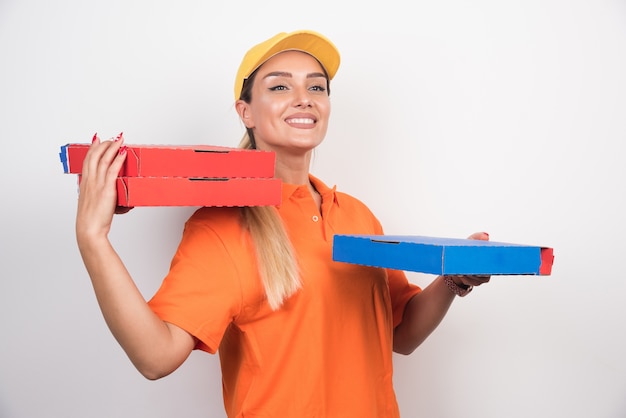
(282, 87)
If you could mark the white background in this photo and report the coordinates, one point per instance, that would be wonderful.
(449, 117)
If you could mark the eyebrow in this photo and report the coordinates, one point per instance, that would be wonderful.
(288, 74)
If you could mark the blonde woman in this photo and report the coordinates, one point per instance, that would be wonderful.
(298, 335)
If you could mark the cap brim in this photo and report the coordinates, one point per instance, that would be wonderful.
(313, 43)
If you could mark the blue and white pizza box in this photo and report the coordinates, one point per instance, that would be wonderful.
(443, 256)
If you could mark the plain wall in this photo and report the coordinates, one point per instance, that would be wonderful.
(449, 117)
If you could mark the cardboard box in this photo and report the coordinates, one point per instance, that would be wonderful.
(182, 191)
(443, 256)
(180, 161)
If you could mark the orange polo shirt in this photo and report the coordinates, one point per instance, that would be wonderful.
(327, 352)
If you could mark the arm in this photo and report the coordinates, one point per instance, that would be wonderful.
(156, 348)
(425, 311)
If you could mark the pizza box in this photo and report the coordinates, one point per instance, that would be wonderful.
(189, 191)
(180, 161)
(443, 256)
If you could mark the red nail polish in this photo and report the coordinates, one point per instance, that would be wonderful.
(122, 150)
(119, 136)
(95, 138)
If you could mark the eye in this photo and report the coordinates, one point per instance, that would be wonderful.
(318, 87)
(278, 87)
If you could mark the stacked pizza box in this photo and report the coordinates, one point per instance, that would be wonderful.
(188, 175)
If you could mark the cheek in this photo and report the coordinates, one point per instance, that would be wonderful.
(327, 109)
(267, 111)
(324, 110)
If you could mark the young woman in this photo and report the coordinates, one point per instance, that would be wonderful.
(298, 334)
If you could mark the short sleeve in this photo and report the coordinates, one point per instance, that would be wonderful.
(401, 291)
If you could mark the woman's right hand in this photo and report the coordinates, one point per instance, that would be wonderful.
(97, 196)
(156, 348)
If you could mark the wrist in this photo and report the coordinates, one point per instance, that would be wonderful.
(458, 289)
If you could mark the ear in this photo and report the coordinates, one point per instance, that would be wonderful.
(243, 109)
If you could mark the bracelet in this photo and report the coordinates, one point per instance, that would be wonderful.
(455, 288)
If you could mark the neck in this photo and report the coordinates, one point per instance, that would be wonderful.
(296, 171)
(293, 169)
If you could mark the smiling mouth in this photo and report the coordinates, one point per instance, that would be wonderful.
(300, 121)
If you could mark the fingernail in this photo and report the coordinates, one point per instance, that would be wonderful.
(122, 150)
(117, 138)
(486, 234)
(95, 138)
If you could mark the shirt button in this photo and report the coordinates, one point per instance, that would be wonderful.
(315, 218)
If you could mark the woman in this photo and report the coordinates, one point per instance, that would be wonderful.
(298, 334)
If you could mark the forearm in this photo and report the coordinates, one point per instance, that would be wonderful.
(423, 313)
(147, 340)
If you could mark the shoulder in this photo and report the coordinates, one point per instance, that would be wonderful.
(215, 217)
(214, 241)
(356, 216)
(342, 199)
(349, 203)
(220, 226)
(348, 200)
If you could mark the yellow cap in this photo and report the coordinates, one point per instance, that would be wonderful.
(307, 41)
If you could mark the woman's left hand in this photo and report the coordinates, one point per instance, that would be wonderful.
(469, 281)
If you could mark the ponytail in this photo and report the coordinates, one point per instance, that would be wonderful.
(275, 255)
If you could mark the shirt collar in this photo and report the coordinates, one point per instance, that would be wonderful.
(328, 194)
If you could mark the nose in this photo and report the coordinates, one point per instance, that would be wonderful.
(302, 98)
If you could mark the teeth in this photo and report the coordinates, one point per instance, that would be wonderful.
(301, 120)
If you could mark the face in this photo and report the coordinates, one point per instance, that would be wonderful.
(290, 106)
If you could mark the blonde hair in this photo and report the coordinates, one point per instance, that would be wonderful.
(275, 255)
